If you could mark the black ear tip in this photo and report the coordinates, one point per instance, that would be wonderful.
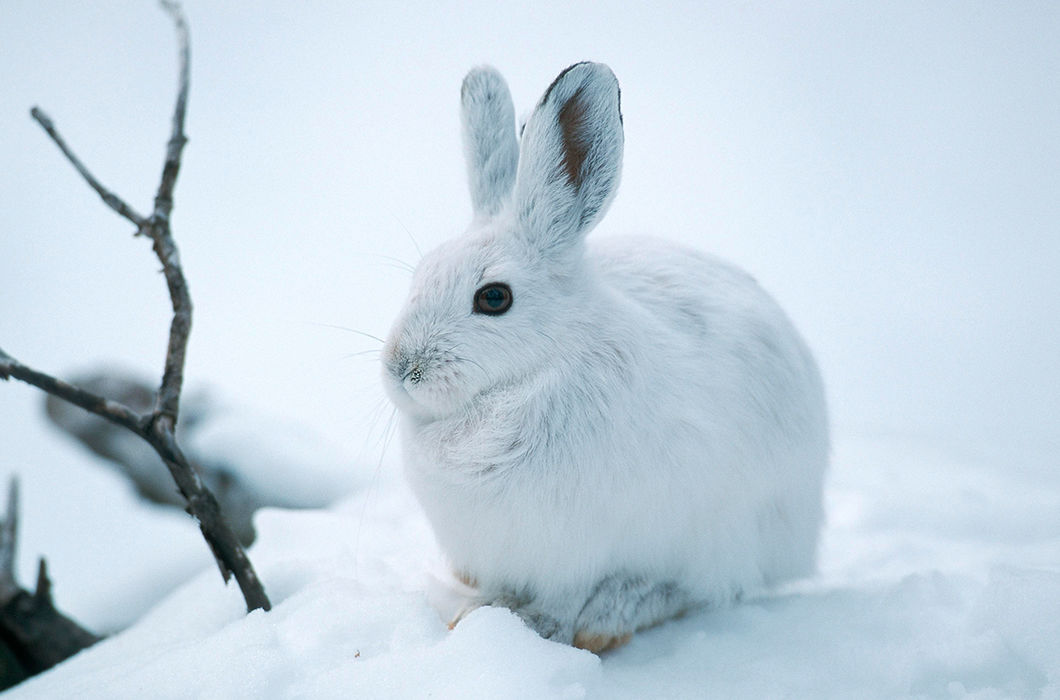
(584, 74)
(559, 78)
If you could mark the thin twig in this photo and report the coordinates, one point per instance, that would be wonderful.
(114, 411)
(44, 584)
(164, 198)
(109, 198)
(165, 247)
(9, 544)
(231, 558)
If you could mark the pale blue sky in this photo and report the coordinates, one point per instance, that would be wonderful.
(889, 171)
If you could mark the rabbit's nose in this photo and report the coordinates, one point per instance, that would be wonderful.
(395, 361)
(404, 369)
(414, 375)
(392, 353)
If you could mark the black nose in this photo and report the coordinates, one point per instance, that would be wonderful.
(415, 374)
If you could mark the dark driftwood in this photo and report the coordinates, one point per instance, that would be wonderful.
(158, 426)
(135, 459)
(34, 635)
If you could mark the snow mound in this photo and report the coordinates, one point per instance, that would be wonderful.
(352, 616)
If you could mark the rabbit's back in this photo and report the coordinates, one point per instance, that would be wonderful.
(734, 382)
(693, 303)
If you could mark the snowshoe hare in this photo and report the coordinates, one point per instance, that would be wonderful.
(604, 434)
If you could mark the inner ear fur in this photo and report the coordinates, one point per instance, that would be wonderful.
(572, 154)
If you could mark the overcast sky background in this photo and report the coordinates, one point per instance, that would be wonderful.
(889, 171)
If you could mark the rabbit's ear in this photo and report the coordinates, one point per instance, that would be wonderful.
(571, 157)
(490, 146)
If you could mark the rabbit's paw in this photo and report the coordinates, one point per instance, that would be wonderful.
(469, 607)
(622, 604)
(546, 625)
(599, 643)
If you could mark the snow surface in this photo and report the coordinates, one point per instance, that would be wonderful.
(919, 601)
(889, 171)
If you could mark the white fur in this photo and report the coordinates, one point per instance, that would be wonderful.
(490, 147)
(643, 420)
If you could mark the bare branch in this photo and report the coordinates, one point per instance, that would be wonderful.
(168, 405)
(158, 428)
(164, 198)
(109, 198)
(113, 411)
(165, 247)
(229, 553)
(231, 558)
(43, 594)
(34, 635)
(9, 544)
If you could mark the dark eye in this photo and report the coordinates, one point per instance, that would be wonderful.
(493, 299)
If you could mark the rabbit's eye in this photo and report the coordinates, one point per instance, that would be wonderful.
(493, 299)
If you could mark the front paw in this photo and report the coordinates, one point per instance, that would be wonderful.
(545, 624)
(620, 605)
(599, 642)
(469, 607)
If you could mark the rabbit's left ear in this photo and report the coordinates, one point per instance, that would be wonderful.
(490, 146)
(571, 157)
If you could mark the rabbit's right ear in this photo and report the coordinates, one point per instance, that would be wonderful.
(490, 146)
(571, 158)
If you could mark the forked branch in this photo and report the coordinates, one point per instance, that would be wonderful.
(158, 427)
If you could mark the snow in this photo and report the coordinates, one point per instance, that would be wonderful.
(911, 602)
(889, 172)
(277, 460)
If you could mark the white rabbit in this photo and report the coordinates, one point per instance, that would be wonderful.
(602, 435)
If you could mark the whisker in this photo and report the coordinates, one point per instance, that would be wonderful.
(373, 486)
(395, 264)
(390, 261)
(401, 264)
(409, 234)
(399, 268)
(461, 358)
(375, 351)
(388, 434)
(348, 330)
(470, 361)
(373, 418)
